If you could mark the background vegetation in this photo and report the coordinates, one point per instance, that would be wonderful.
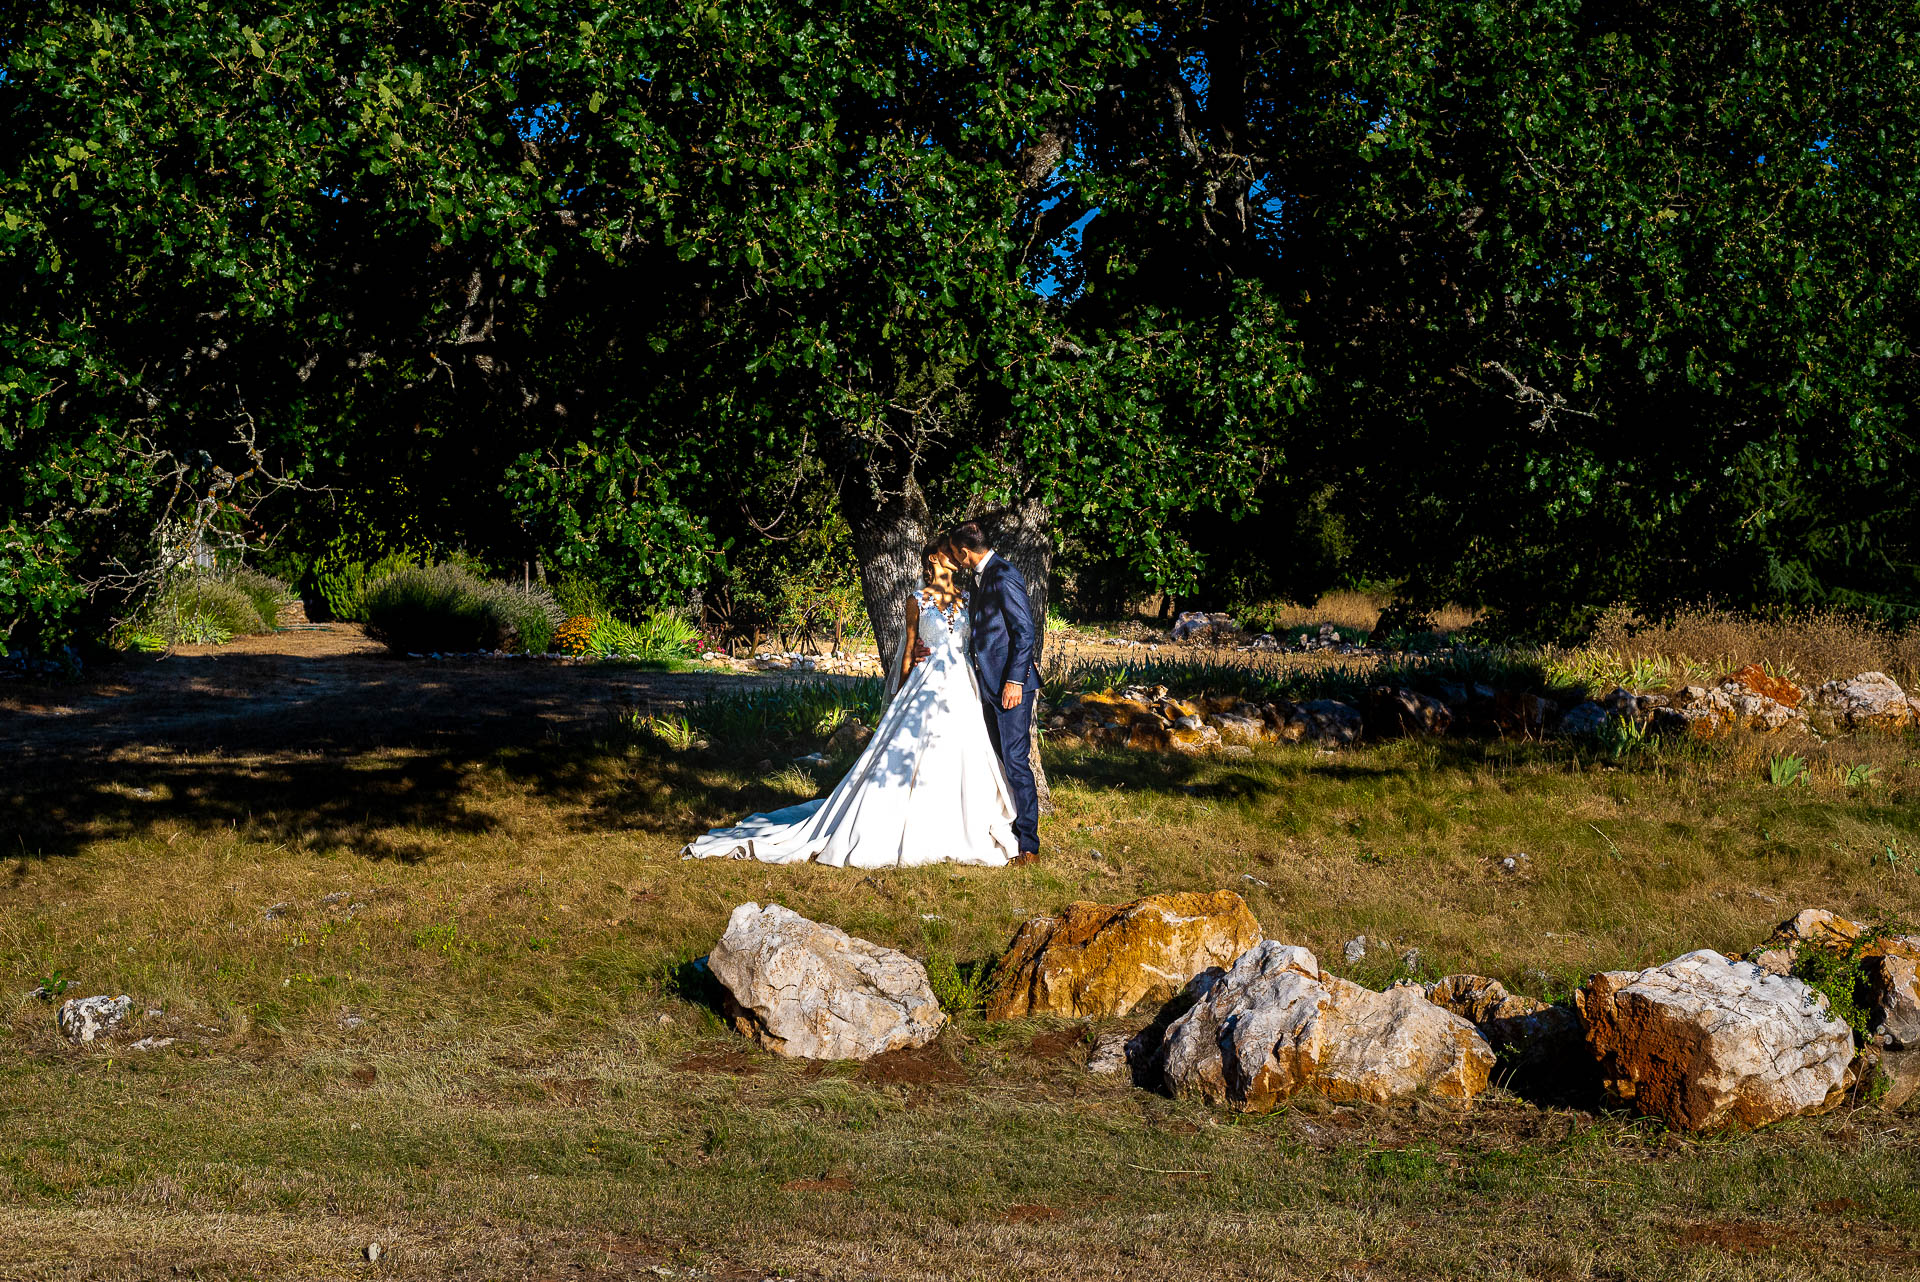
(1537, 308)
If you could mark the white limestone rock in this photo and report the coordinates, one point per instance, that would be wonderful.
(1705, 1043)
(83, 1019)
(810, 991)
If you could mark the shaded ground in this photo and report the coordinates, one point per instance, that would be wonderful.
(330, 690)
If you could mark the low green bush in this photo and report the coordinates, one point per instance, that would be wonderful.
(578, 595)
(342, 582)
(660, 637)
(526, 617)
(267, 593)
(196, 608)
(445, 608)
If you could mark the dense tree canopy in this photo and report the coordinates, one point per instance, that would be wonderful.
(1541, 306)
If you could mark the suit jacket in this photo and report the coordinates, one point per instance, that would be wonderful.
(1001, 627)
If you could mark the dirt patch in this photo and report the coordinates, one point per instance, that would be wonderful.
(738, 1063)
(928, 1065)
(364, 1076)
(574, 1093)
(329, 690)
(1736, 1237)
(1060, 1041)
(1031, 1214)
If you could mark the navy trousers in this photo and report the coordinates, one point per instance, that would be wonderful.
(1012, 735)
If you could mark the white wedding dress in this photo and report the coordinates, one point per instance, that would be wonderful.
(927, 790)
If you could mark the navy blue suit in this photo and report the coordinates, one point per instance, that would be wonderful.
(1001, 644)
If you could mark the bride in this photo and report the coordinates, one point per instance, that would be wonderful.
(928, 788)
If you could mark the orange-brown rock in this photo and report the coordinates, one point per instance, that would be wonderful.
(1779, 689)
(1704, 1043)
(1100, 960)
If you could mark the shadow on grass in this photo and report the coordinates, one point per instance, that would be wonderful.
(366, 803)
(1226, 778)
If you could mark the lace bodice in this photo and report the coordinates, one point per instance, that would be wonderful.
(943, 631)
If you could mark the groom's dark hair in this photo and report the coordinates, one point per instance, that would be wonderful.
(968, 535)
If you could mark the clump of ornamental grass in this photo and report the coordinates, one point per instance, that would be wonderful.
(447, 608)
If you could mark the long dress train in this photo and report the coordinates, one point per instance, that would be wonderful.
(928, 789)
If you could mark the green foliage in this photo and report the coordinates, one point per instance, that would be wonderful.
(660, 637)
(577, 595)
(267, 593)
(677, 732)
(960, 988)
(196, 608)
(343, 583)
(52, 985)
(1536, 307)
(1859, 775)
(443, 938)
(786, 715)
(1623, 736)
(1841, 977)
(1786, 769)
(444, 608)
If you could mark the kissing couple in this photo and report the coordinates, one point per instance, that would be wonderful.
(948, 774)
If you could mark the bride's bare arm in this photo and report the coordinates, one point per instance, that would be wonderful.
(913, 638)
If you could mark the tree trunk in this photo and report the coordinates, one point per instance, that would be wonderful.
(1024, 535)
(887, 538)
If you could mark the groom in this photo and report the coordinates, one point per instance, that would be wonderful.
(1001, 645)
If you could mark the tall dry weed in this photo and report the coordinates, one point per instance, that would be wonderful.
(1903, 661)
(1353, 611)
(1817, 645)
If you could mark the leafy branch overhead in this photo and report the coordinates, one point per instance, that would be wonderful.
(1537, 306)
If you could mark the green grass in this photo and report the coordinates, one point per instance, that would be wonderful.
(540, 1079)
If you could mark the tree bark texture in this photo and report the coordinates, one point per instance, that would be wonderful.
(888, 535)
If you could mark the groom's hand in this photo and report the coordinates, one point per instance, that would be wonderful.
(1011, 695)
(920, 652)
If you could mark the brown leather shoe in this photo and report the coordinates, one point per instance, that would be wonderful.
(1025, 857)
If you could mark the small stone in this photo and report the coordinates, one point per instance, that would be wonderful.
(1109, 1054)
(663, 1020)
(372, 1252)
(277, 911)
(814, 759)
(1097, 856)
(85, 1018)
(338, 896)
(1356, 949)
(1410, 960)
(151, 1043)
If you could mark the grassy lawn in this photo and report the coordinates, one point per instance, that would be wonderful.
(438, 998)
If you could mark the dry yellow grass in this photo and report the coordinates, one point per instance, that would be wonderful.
(1354, 611)
(1815, 646)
